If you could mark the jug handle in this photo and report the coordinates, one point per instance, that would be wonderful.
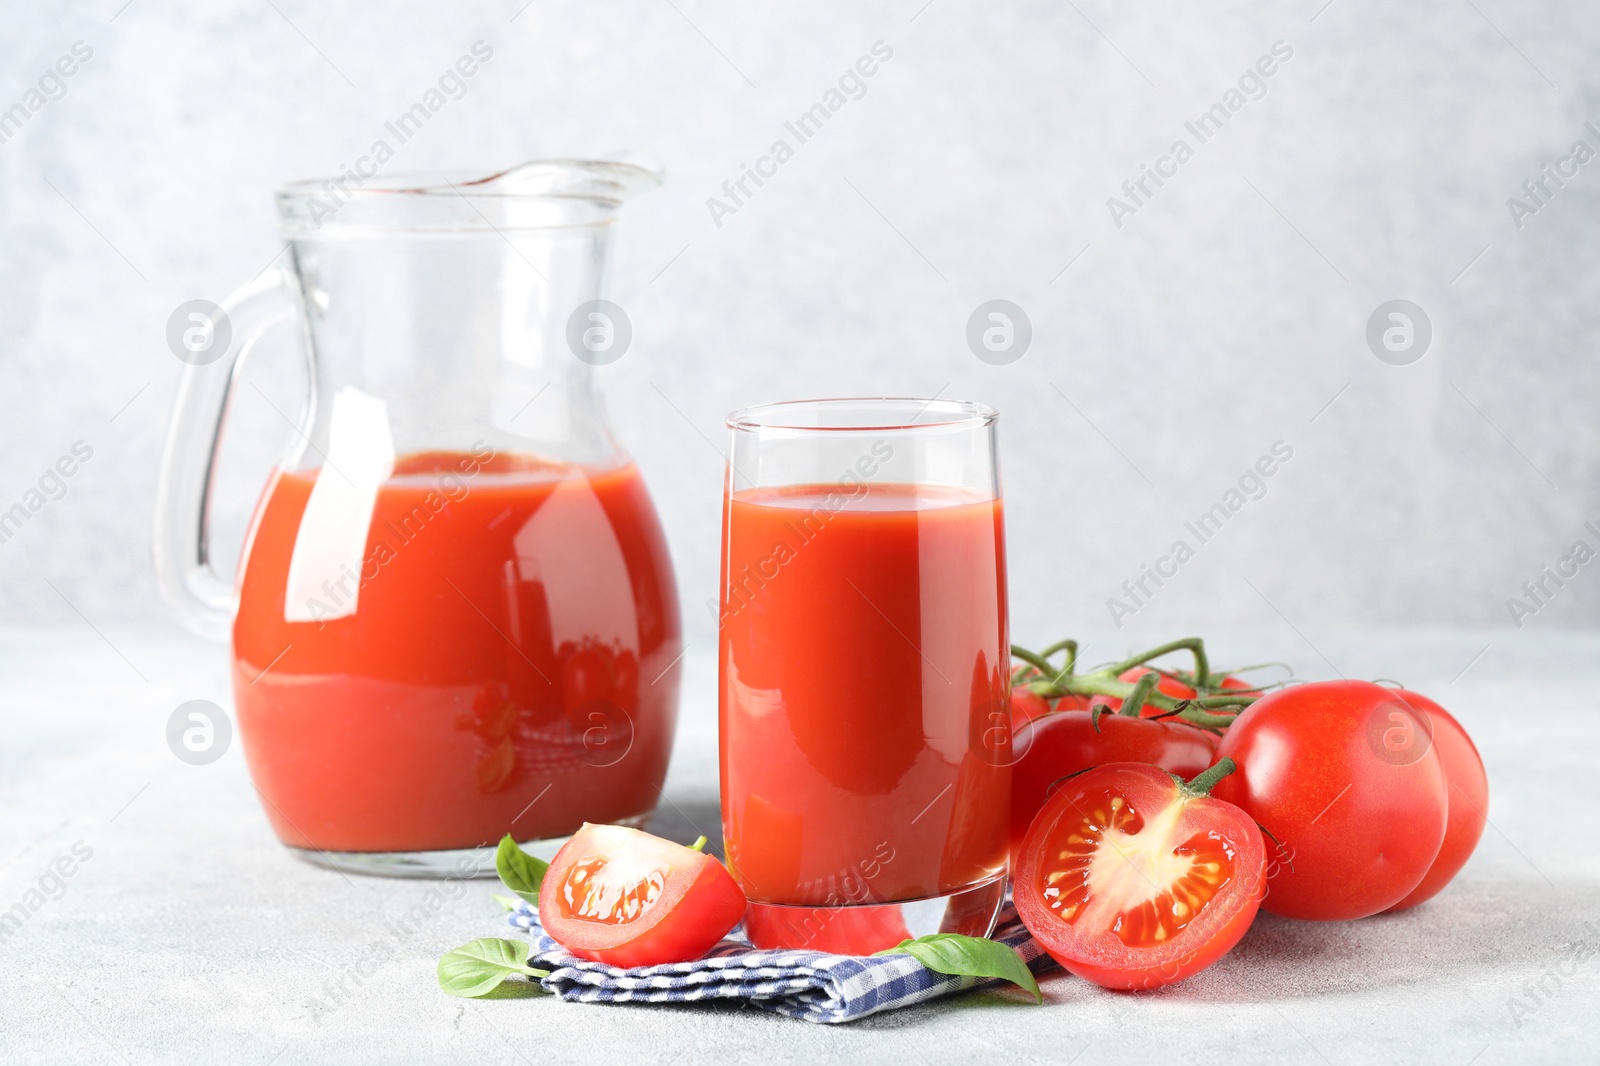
(204, 600)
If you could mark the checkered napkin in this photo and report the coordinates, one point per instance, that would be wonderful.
(811, 985)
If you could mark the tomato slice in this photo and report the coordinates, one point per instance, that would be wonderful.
(623, 897)
(1134, 880)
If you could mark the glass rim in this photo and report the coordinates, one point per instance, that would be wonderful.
(542, 194)
(605, 180)
(784, 415)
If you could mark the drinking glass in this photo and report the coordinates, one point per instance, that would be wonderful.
(864, 671)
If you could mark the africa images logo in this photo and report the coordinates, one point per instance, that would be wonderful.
(851, 85)
(1252, 485)
(1252, 85)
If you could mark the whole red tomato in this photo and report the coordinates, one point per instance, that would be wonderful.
(1135, 880)
(1026, 705)
(1063, 743)
(1343, 778)
(1468, 802)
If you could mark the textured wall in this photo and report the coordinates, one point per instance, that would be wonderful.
(1225, 313)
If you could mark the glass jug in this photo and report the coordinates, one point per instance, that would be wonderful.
(454, 616)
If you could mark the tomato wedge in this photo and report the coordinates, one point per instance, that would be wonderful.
(1133, 879)
(623, 897)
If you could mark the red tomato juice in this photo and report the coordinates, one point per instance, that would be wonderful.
(496, 675)
(864, 693)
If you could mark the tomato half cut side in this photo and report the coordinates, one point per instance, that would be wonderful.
(1133, 880)
(626, 898)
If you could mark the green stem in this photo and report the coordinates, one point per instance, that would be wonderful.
(1200, 784)
(1034, 659)
(1071, 648)
(1259, 666)
(1194, 645)
(1237, 698)
(1101, 683)
(1141, 692)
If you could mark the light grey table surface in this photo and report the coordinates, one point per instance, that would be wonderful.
(190, 935)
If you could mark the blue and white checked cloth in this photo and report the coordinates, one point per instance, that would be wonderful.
(811, 985)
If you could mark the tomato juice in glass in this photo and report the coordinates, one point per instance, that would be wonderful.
(864, 672)
(494, 674)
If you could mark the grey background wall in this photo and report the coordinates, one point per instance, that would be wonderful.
(1227, 312)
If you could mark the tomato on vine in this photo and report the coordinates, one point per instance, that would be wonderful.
(1058, 745)
(1026, 705)
(1171, 685)
(1210, 702)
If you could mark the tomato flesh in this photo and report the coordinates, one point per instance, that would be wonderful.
(626, 898)
(1130, 881)
(1105, 848)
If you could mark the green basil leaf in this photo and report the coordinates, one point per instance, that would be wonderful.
(519, 871)
(479, 966)
(969, 956)
(508, 902)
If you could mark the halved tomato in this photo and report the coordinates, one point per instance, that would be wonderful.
(1133, 879)
(623, 897)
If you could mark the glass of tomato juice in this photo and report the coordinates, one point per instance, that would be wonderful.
(864, 671)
